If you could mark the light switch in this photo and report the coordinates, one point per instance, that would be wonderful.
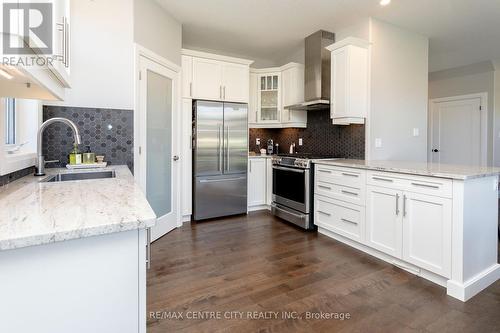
(300, 142)
(378, 143)
(257, 141)
(416, 132)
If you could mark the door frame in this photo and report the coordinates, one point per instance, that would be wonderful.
(140, 51)
(484, 122)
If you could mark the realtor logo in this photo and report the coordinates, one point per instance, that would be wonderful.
(27, 27)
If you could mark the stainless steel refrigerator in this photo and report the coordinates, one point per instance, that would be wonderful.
(220, 157)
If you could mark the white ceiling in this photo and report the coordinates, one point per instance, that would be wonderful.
(461, 32)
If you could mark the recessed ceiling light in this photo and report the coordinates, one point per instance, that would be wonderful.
(385, 2)
(5, 74)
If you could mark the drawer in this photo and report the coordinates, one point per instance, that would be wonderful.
(340, 217)
(353, 195)
(341, 176)
(440, 187)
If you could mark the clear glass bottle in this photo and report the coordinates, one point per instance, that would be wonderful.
(75, 157)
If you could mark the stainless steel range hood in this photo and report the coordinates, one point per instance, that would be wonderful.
(317, 72)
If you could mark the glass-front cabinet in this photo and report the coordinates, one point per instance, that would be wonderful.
(269, 98)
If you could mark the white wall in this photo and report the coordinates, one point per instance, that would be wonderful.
(101, 55)
(157, 30)
(475, 78)
(399, 93)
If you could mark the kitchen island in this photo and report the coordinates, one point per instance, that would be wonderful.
(73, 254)
(434, 220)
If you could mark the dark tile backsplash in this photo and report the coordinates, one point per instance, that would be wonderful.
(108, 132)
(320, 137)
(9, 178)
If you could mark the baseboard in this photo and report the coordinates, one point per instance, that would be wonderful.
(186, 218)
(465, 291)
(259, 207)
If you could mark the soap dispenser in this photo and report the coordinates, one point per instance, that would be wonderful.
(88, 157)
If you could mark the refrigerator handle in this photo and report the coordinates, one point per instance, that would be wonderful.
(219, 148)
(227, 148)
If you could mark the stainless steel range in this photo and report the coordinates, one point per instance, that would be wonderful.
(293, 188)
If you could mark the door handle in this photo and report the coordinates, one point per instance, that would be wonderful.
(227, 148)
(224, 93)
(397, 204)
(219, 148)
(175, 158)
(148, 248)
(435, 150)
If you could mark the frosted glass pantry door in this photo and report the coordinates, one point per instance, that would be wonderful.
(158, 141)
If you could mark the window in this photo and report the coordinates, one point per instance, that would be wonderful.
(10, 121)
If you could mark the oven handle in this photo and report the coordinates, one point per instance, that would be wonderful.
(287, 211)
(289, 169)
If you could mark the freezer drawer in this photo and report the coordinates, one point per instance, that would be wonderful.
(217, 196)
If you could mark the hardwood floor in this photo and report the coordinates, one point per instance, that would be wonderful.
(257, 263)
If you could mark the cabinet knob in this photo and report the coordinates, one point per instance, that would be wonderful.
(435, 150)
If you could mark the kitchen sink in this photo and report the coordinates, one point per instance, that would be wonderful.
(64, 177)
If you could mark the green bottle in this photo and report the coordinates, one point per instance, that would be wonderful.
(75, 157)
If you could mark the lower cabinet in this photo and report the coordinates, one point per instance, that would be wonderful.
(341, 217)
(257, 188)
(410, 226)
(384, 220)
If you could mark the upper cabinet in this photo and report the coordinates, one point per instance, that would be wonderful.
(271, 91)
(214, 77)
(349, 81)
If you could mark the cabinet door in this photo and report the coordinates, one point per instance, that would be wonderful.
(235, 86)
(187, 76)
(427, 232)
(253, 99)
(186, 157)
(207, 79)
(384, 220)
(340, 82)
(256, 181)
(269, 98)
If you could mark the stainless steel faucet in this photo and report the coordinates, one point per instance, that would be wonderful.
(40, 165)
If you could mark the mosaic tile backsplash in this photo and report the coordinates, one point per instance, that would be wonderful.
(320, 137)
(107, 132)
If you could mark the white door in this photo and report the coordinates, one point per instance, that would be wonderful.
(235, 86)
(427, 232)
(256, 181)
(384, 220)
(457, 131)
(207, 79)
(158, 142)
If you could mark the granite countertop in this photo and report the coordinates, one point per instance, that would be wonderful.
(34, 213)
(460, 172)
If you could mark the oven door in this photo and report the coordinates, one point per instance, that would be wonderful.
(291, 187)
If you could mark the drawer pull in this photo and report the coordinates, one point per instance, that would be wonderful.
(383, 179)
(324, 213)
(348, 221)
(325, 187)
(325, 171)
(425, 185)
(349, 175)
(350, 193)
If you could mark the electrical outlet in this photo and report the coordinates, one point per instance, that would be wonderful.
(300, 142)
(257, 141)
(378, 143)
(416, 132)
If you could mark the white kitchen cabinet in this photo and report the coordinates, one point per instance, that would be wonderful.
(271, 90)
(384, 220)
(235, 85)
(187, 76)
(186, 159)
(427, 232)
(257, 188)
(214, 77)
(61, 68)
(349, 81)
(207, 79)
